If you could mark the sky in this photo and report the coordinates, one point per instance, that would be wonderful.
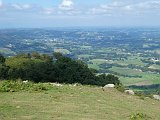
(78, 13)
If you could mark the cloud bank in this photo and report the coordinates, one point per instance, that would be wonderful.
(68, 7)
(73, 12)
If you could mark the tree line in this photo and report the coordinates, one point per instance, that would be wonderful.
(55, 68)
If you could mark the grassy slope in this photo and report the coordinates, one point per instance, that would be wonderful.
(75, 103)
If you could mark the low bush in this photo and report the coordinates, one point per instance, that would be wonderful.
(40, 87)
(142, 95)
(15, 86)
(120, 87)
(139, 116)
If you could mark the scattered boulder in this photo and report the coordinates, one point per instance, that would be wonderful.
(130, 92)
(156, 97)
(56, 84)
(26, 81)
(76, 84)
(109, 86)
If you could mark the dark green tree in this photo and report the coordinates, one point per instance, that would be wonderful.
(3, 68)
(45, 68)
(108, 79)
(3, 71)
(2, 59)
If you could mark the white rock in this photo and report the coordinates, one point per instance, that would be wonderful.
(25, 81)
(56, 84)
(130, 92)
(76, 84)
(156, 97)
(109, 86)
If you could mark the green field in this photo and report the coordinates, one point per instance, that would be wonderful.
(7, 51)
(126, 71)
(146, 78)
(130, 61)
(84, 56)
(64, 51)
(75, 103)
(154, 66)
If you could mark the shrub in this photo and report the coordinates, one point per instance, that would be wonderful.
(139, 116)
(15, 86)
(10, 86)
(120, 87)
(39, 87)
(141, 95)
(104, 79)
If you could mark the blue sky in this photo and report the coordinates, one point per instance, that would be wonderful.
(72, 13)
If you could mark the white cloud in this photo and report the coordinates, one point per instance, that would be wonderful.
(128, 7)
(1, 3)
(66, 5)
(98, 11)
(16, 6)
(149, 5)
(124, 8)
(48, 11)
(26, 6)
(108, 9)
(21, 7)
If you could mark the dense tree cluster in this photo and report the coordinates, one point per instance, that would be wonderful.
(57, 68)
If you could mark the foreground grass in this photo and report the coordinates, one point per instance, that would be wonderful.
(75, 103)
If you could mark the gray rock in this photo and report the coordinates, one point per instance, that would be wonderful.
(156, 97)
(109, 86)
(130, 92)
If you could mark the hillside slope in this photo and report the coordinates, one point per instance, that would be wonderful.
(75, 103)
